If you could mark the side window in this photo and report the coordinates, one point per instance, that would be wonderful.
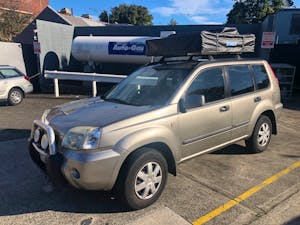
(261, 77)
(8, 73)
(209, 83)
(240, 79)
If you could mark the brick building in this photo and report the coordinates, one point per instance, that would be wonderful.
(28, 6)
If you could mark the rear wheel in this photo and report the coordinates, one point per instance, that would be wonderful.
(143, 179)
(15, 96)
(261, 136)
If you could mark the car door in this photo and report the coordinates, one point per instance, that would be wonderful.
(208, 125)
(243, 98)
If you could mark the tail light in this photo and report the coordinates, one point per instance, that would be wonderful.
(26, 77)
(273, 73)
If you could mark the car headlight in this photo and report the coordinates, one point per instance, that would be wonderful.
(82, 138)
(44, 116)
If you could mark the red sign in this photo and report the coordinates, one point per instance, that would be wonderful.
(268, 40)
(37, 47)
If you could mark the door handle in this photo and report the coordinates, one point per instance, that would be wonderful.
(224, 108)
(257, 99)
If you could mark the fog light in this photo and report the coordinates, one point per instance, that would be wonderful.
(37, 134)
(44, 142)
(75, 173)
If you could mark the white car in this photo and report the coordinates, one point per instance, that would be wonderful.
(13, 85)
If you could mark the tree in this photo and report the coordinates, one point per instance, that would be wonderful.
(12, 22)
(130, 14)
(104, 16)
(254, 11)
(173, 22)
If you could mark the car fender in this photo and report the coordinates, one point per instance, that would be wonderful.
(266, 105)
(143, 137)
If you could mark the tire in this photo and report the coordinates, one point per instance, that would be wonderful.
(261, 135)
(15, 96)
(138, 187)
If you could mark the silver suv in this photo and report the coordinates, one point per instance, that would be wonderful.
(13, 85)
(161, 115)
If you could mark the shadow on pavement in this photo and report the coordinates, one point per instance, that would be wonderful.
(293, 103)
(232, 150)
(13, 134)
(3, 103)
(295, 221)
(22, 187)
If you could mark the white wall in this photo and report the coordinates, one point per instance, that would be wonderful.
(11, 54)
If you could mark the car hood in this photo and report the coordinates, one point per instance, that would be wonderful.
(91, 112)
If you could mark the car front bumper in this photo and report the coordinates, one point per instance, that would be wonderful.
(89, 170)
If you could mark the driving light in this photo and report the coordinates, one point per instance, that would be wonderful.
(45, 142)
(37, 134)
(82, 138)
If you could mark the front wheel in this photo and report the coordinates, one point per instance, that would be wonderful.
(144, 178)
(15, 96)
(261, 136)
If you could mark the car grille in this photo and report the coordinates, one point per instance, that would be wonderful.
(38, 143)
(44, 138)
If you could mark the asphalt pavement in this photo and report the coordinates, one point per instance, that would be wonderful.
(204, 188)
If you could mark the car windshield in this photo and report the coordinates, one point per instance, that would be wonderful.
(151, 85)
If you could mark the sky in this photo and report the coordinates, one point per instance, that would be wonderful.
(183, 11)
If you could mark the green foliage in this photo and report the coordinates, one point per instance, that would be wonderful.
(173, 22)
(128, 14)
(104, 16)
(12, 23)
(254, 11)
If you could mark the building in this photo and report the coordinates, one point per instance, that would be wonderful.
(55, 32)
(33, 7)
(58, 25)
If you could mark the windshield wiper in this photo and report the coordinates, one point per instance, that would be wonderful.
(117, 101)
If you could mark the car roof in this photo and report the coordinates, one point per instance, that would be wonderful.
(7, 67)
(193, 62)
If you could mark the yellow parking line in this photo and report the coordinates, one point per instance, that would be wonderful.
(244, 196)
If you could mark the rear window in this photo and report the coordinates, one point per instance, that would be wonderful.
(240, 79)
(261, 77)
(8, 73)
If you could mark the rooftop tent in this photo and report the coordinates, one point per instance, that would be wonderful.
(204, 43)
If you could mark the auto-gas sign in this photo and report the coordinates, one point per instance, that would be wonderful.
(126, 48)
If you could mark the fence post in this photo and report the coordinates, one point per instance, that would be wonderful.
(94, 88)
(56, 88)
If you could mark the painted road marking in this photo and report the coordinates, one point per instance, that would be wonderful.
(244, 196)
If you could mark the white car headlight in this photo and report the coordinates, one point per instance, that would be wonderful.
(82, 138)
(44, 116)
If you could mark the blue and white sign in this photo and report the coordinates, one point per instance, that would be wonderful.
(231, 44)
(126, 48)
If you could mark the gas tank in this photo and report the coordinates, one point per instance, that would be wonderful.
(111, 49)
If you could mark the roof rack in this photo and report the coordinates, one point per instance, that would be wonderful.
(206, 43)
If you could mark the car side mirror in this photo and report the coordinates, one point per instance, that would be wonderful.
(190, 102)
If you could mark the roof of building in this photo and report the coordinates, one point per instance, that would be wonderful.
(77, 21)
